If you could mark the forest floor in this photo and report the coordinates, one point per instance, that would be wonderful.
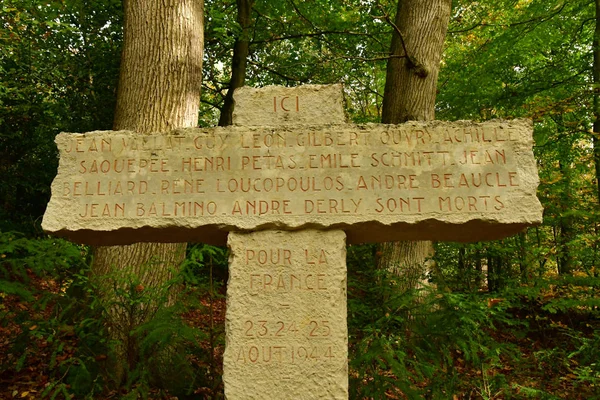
(26, 373)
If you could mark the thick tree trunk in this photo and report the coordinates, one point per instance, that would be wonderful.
(407, 260)
(410, 90)
(412, 72)
(161, 65)
(239, 61)
(159, 90)
(131, 280)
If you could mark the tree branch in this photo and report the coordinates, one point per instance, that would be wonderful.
(383, 58)
(275, 72)
(300, 14)
(310, 34)
(210, 103)
(419, 69)
(387, 19)
(540, 19)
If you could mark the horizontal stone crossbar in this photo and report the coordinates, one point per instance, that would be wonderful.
(458, 181)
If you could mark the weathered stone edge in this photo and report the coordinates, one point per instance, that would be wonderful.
(216, 234)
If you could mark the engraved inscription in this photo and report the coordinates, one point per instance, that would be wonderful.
(276, 329)
(296, 175)
(286, 104)
(294, 355)
(286, 335)
(286, 313)
(311, 163)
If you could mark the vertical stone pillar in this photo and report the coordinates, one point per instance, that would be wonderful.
(286, 330)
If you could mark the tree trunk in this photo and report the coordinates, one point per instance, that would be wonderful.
(596, 127)
(524, 266)
(493, 266)
(239, 62)
(410, 90)
(567, 232)
(406, 260)
(596, 76)
(412, 71)
(478, 270)
(463, 270)
(565, 257)
(159, 90)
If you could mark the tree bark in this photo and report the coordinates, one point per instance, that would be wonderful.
(410, 89)
(596, 97)
(406, 260)
(159, 90)
(239, 62)
(412, 71)
(566, 231)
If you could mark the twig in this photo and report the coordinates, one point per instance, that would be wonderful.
(387, 19)
(419, 69)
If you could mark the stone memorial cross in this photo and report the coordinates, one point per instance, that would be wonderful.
(287, 187)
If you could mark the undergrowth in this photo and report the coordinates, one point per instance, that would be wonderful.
(526, 341)
(538, 340)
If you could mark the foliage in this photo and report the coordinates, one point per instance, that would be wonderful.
(58, 72)
(54, 323)
(536, 340)
(56, 313)
(294, 43)
(411, 342)
(181, 346)
(533, 59)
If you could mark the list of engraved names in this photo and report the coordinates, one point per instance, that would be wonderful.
(331, 170)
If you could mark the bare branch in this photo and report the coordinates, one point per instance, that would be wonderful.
(414, 64)
(300, 13)
(387, 19)
(383, 58)
(275, 72)
(210, 103)
(310, 34)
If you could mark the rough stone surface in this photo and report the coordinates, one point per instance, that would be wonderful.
(276, 105)
(286, 332)
(456, 181)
